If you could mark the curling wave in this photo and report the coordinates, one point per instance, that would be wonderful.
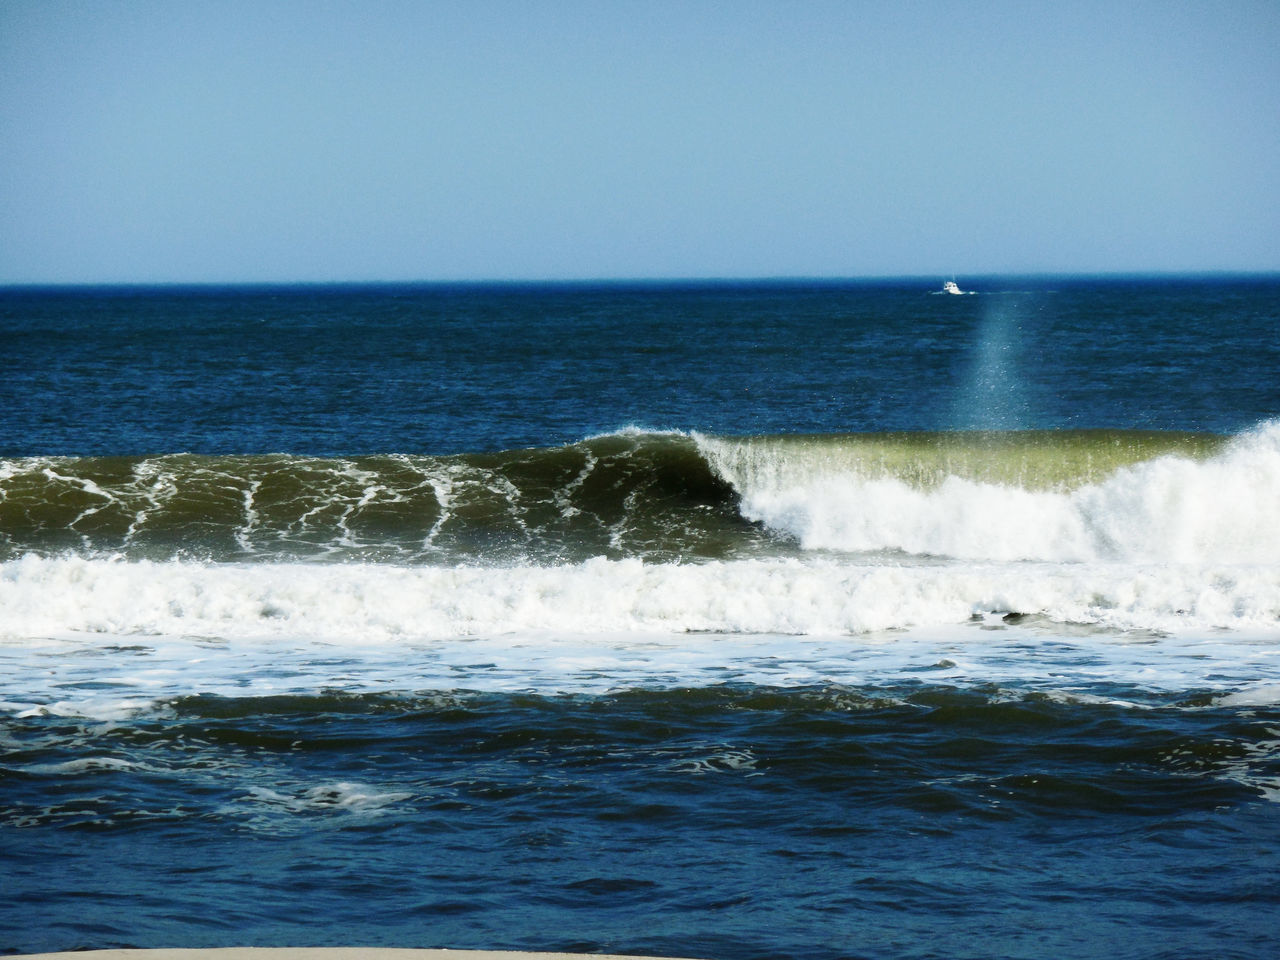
(1052, 495)
(1071, 496)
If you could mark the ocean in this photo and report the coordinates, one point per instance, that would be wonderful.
(727, 620)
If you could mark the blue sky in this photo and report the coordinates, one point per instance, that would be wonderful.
(224, 141)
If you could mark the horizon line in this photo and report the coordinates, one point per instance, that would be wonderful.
(690, 280)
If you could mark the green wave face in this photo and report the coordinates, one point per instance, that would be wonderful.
(614, 496)
(1058, 460)
(656, 496)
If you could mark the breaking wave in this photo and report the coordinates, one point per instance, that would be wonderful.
(1073, 496)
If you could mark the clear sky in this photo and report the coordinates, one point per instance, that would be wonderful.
(223, 140)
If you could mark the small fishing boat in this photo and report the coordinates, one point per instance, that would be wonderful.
(950, 287)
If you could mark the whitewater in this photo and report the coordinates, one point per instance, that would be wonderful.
(856, 560)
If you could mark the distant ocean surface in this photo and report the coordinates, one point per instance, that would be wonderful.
(726, 620)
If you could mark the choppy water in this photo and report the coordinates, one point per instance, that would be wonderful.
(716, 620)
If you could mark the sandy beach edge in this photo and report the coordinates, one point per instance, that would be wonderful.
(319, 953)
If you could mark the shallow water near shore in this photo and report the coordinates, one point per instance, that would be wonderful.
(605, 618)
(726, 821)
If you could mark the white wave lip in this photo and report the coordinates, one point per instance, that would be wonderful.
(1222, 510)
(54, 597)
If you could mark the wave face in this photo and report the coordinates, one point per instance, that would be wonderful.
(628, 494)
(1055, 496)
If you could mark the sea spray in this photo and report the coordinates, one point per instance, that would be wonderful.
(1074, 498)
(993, 396)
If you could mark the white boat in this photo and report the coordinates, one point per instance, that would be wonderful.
(950, 287)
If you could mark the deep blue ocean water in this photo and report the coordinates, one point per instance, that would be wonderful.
(721, 620)
(350, 370)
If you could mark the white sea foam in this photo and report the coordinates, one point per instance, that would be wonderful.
(84, 765)
(1124, 669)
(104, 639)
(348, 603)
(345, 797)
(1224, 510)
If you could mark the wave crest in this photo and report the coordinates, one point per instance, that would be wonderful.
(1071, 496)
